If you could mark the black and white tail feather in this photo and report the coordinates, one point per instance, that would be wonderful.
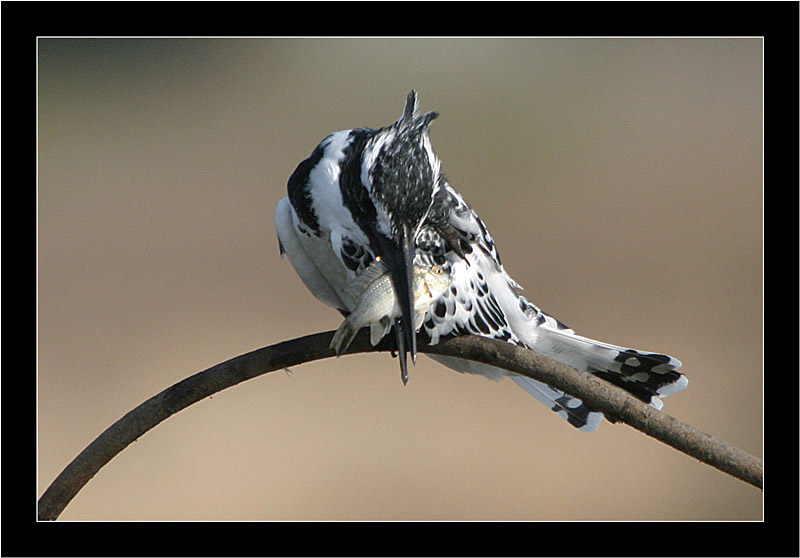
(365, 193)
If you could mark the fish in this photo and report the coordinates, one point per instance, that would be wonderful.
(378, 306)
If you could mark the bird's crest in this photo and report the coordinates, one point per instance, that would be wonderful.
(410, 119)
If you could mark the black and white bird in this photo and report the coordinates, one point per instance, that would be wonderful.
(367, 193)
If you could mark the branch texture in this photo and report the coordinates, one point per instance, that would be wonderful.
(615, 403)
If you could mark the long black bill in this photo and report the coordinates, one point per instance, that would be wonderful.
(399, 256)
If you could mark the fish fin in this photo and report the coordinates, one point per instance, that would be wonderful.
(378, 330)
(373, 271)
(419, 317)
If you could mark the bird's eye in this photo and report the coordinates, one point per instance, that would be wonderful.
(437, 270)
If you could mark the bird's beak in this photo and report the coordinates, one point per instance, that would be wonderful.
(399, 255)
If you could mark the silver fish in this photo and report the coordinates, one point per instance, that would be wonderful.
(377, 304)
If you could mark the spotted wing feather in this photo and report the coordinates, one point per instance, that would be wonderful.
(484, 300)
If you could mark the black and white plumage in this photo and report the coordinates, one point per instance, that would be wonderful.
(367, 193)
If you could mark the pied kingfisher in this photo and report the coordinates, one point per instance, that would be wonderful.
(380, 193)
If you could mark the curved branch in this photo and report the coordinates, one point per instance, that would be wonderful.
(615, 403)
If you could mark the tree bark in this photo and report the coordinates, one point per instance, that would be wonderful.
(616, 404)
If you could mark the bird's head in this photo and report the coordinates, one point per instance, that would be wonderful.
(402, 175)
(401, 170)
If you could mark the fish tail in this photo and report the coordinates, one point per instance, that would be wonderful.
(343, 337)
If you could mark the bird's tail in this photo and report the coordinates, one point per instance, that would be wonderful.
(645, 375)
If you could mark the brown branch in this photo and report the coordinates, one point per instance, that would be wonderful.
(614, 402)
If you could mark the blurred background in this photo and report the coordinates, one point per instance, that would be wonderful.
(620, 178)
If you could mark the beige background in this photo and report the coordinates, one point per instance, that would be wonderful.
(621, 179)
